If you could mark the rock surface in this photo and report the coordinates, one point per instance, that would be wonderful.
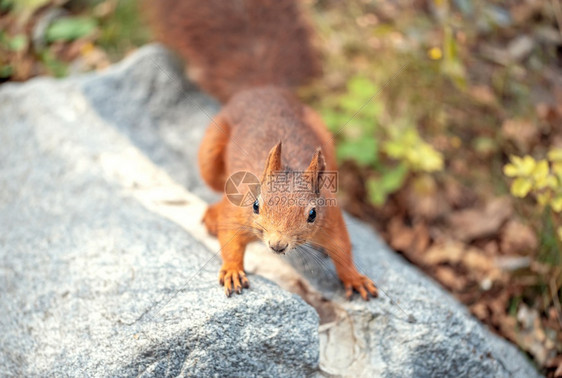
(94, 283)
(105, 269)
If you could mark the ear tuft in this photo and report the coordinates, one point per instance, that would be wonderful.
(316, 169)
(318, 163)
(273, 162)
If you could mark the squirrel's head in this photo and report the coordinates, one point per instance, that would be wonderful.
(289, 208)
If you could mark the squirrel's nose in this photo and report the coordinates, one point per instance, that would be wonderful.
(278, 247)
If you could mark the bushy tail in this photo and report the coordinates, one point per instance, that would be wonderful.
(231, 45)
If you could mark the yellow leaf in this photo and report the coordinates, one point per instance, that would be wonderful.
(516, 160)
(543, 198)
(435, 53)
(551, 182)
(527, 165)
(410, 137)
(87, 48)
(510, 170)
(431, 160)
(521, 166)
(555, 154)
(540, 171)
(546, 182)
(557, 169)
(414, 157)
(556, 203)
(521, 187)
(560, 233)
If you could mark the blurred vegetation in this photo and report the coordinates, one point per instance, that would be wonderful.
(428, 100)
(447, 118)
(60, 37)
(368, 140)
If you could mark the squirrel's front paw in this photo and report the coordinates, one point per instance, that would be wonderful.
(362, 284)
(233, 280)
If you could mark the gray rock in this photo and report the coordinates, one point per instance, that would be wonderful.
(94, 283)
(97, 238)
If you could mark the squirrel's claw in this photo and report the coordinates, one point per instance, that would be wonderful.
(233, 280)
(363, 285)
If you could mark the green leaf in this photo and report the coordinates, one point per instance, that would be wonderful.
(362, 88)
(17, 42)
(123, 29)
(377, 194)
(68, 29)
(450, 44)
(485, 145)
(55, 66)
(5, 5)
(395, 149)
(334, 119)
(358, 127)
(452, 65)
(6, 71)
(351, 104)
(372, 110)
(393, 179)
(364, 150)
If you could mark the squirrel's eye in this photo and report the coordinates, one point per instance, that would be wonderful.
(311, 215)
(256, 207)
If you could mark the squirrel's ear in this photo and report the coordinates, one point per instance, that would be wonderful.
(316, 169)
(273, 162)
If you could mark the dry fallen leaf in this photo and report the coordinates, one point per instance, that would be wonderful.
(532, 336)
(401, 237)
(421, 238)
(476, 260)
(518, 238)
(425, 199)
(457, 195)
(449, 251)
(449, 278)
(483, 94)
(480, 310)
(491, 248)
(472, 224)
(412, 241)
(523, 133)
(523, 11)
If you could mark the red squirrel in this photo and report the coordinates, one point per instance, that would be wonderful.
(249, 54)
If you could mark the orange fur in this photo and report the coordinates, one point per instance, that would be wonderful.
(249, 53)
(236, 44)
